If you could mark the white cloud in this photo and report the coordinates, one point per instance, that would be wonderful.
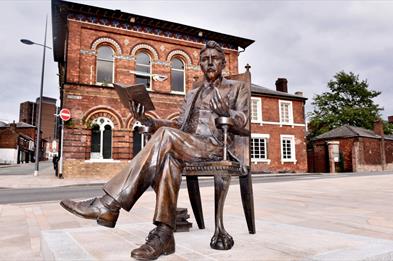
(304, 41)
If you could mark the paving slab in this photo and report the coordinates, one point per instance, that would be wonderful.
(354, 206)
(273, 241)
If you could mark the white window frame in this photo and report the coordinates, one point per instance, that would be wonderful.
(259, 110)
(290, 112)
(113, 66)
(99, 155)
(293, 148)
(266, 137)
(150, 74)
(184, 76)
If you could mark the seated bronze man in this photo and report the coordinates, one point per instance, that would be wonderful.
(193, 137)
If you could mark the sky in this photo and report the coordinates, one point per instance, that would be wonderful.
(307, 42)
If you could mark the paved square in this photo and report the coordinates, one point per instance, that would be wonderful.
(313, 219)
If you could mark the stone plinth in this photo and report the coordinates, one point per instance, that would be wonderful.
(273, 241)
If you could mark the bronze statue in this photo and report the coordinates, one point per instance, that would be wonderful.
(194, 137)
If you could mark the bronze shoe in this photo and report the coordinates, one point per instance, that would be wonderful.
(93, 209)
(160, 241)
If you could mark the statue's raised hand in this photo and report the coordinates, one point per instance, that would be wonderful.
(219, 105)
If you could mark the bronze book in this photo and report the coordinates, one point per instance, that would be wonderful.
(136, 93)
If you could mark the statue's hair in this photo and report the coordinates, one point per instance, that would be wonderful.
(213, 45)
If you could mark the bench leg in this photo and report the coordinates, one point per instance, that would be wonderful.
(195, 199)
(248, 201)
(221, 240)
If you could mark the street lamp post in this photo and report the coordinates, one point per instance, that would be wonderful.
(38, 140)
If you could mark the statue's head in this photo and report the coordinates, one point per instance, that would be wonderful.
(212, 60)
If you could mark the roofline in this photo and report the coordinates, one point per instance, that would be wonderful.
(274, 93)
(289, 96)
(60, 10)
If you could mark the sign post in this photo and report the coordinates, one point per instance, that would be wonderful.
(65, 115)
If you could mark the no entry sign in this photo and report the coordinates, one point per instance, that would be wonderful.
(65, 114)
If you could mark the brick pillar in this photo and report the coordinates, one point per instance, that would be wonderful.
(378, 129)
(332, 161)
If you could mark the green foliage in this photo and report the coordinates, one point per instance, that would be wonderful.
(387, 127)
(349, 101)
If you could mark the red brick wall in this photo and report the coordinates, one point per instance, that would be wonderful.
(359, 154)
(271, 115)
(371, 149)
(8, 138)
(389, 151)
(28, 132)
(88, 101)
(320, 155)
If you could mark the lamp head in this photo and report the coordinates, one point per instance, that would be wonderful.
(25, 41)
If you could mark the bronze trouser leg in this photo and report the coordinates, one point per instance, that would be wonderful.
(166, 185)
(159, 164)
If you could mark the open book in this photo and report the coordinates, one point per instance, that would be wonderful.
(136, 93)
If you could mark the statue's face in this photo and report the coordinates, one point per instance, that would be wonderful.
(212, 63)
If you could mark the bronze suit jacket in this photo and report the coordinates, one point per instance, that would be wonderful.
(239, 99)
(238, 95)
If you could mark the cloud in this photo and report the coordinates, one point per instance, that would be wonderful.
(304, 41)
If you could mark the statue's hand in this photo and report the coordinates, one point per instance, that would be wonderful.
(219, 105)
(138, 111)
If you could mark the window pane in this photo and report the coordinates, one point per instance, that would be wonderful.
(286, 149)
(254, 109)
(258, 148)
(105, 53)
(177, 81)
(105, 64)
(95, 138)
(104, 71)
(143, 79)
(143, 58)
(137, 142)
(107, 146)
(142, 68)
(177, 64)
(284, 112)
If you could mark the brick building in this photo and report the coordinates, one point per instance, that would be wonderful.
(28, 113)
(95, 47)
(17, 143)
(278, 129)
(358, 150)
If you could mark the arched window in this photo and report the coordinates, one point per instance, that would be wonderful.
(143, 69)
(177, 75)
(101, 138)
(105, 65)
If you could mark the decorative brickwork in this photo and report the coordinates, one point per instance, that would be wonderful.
(101, 111)
(179, 53)
(145, 47)
(115, 24)
(102, 40)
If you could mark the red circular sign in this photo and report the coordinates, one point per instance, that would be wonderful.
(65, 114)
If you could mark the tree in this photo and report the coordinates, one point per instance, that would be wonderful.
(349, 101)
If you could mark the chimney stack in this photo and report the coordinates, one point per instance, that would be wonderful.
(282, 85)
(390, 119)
(378, 127)
(299, 93)
(13, 126)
